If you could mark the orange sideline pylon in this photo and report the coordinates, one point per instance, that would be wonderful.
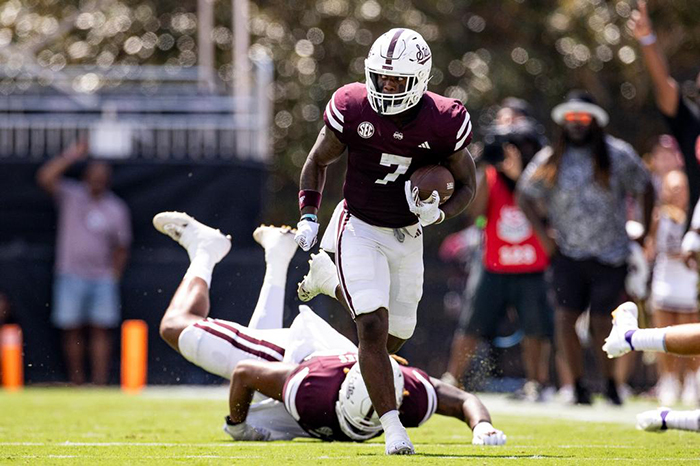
(11, 357)
(134, 355)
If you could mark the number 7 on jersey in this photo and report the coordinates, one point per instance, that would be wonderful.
(402, 164)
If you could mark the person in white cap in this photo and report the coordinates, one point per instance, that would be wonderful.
(581, 183)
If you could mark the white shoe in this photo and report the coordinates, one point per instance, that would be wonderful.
(689, 395)
(401, 446)
(566, 395)
(322, 277)
(624, 321)
(652, 421)
(195, 237)
(625, 391)
(668, 389)
(278, 242)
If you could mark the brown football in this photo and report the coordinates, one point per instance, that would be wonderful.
(433, 178)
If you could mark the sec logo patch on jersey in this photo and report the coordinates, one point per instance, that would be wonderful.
(365, 130)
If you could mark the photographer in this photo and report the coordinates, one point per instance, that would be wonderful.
(514, 260)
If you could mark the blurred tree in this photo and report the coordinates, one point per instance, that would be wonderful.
(536, 50)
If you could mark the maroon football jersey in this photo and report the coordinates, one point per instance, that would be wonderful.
(382, 155)
(419, 397)
(311, 391)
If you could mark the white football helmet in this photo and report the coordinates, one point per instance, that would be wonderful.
(356, 416)
(399, 52)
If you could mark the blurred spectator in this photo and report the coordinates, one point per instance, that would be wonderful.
(582, 182)
(682, 115)
(93, 239)
(513, 113)
(513, 261)
(512, 110)
(674, 287)
(665, 157)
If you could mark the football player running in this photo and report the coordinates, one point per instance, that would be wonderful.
(308, 370)
(390, 126)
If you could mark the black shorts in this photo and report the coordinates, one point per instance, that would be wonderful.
(496, 292)
(579, 284)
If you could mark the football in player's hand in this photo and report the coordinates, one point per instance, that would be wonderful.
(433, 178)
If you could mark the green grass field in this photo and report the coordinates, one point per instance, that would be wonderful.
(178, 426)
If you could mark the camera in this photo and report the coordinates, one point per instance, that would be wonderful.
(522, 134)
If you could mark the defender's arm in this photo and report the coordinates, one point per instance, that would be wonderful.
(250, 376)
(466, 407)
(459, 404)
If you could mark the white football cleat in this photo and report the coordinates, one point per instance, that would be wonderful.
(654, 420)
(278, 242)
(402, 446)
(624, 324)
(194, 236)
(322, 277)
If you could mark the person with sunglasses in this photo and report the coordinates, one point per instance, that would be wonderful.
(581, 184)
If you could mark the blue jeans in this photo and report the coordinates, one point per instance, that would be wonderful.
(79, 301)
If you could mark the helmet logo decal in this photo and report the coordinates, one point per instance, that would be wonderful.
(392, 46)
(423, 54)
(365, 130)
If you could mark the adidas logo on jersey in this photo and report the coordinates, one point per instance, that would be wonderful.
(425, 145)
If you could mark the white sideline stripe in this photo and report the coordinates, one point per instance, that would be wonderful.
(226, 444)
(600, 412)
(149, 457)
(326, 457)
(485, 457)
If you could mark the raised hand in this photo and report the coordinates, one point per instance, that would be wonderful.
(640, 24)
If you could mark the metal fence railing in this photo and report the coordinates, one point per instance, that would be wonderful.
(167, 124)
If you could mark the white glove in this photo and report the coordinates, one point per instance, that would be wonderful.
(245, 432)
(427, 211)
(486, 434)
(307, 233)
